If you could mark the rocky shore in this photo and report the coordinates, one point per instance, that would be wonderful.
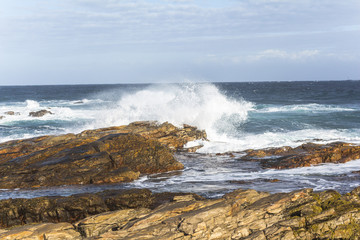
(121, 154)
(241, 214)
(108, 155)
(304, 155)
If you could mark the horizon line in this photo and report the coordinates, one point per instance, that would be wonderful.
(148, 83)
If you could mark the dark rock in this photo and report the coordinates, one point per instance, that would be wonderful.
(241, 214)
(1, 117)
(76, 207)
(253, 180)
(39, 113)
(304, 155)
(70, 209)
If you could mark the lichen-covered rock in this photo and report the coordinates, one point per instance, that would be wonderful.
(304, 155)
(242, 214)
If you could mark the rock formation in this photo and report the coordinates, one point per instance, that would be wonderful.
(39, 113)
(70, 209)
(304, 155)
(108, 155)
(11, 113)
(242, 214)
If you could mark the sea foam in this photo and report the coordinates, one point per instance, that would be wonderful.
(201, 105)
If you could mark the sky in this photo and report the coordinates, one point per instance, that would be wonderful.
(123, 41)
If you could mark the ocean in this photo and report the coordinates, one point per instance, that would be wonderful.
(236, 117)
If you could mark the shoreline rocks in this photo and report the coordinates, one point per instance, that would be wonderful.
(241, 214)
(304, 155)
(21, 211)
(108, 155)
(39, 113)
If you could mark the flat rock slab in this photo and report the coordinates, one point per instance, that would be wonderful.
(304, 155)
(109, 155)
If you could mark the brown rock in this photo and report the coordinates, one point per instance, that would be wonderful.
(70, 209)
(48, 231)
(39, 113)
(109, 155)
(242, 214)
(167, 134)
(76, 207)
(113, 158)
(304, 155)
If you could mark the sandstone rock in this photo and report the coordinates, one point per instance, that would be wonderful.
(109, 155)
(241, 214)
(47, 231)
(304, 155)
(39, 113)
(109, 221)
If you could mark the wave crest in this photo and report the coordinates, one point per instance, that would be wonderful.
(201, 105)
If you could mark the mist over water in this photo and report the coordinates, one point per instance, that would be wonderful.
(236, 117)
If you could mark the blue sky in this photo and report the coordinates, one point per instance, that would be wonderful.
(121, 41)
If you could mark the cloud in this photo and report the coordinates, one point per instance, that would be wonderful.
(269, 54)
(281, 54)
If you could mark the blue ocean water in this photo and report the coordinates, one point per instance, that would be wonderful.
(236, 116)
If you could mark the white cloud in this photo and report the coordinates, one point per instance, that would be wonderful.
(261, 56)
(281, 54)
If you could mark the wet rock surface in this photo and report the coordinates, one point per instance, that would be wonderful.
(70, 209)
(40, 113)
(241, 214)
(109, 155)
(304, 155)
(11, 113)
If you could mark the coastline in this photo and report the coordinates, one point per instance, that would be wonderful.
(139, 213)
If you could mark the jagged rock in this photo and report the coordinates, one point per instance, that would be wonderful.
(241, 214)
(109, 155)
(304, 155)
(39, 113)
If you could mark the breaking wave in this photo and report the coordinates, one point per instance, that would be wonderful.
(201, 105)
